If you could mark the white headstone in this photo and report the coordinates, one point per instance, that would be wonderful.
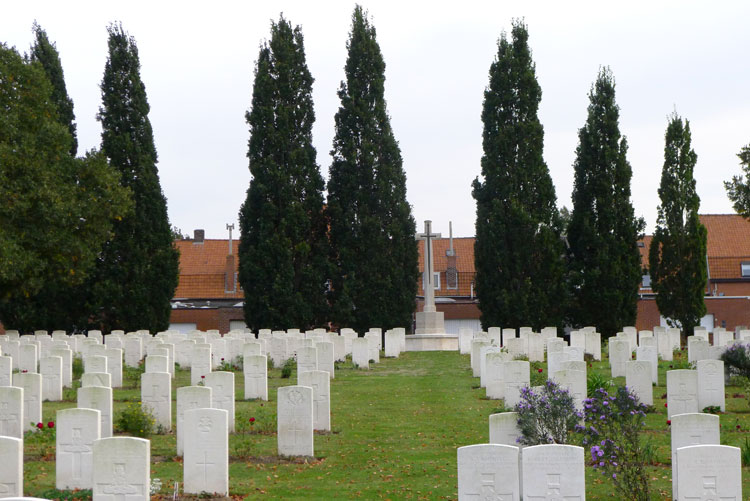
(12, 418)
(691, 429)
(133, 347)
(508, 334)
(516, 375)
(295, 421)
(464, 340)
(77, 430)
(535, 347)
(319, 381)
(206, 458)
(114, 365)
(11, 474)
(361, 353)
(278, 351)
(51, 370)
(251, 348)
(483, 352)
(504, 428)
(711, 384)
(619, 354)
(66, 355)
(373, 342)
(32, 397)
(553, 472)
(682, 392)
(697, 348)
(575, 382)
(200, 363)
(326, 357)
(6, 370)
(99, 398)
(256, 377)
(476, 355)
(593, 343)
(95, 363)
(392, 344)
(156, 395)
(222, 393)
(517, 347)
(96, 379)
(122, 469)
(708, 472)
(638, 380)
(494, 375)
(648, 354)
(663, 344)
(488, 471)
(28, 357)
(188, 398)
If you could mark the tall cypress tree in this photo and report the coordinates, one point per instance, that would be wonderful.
(738, 189)
(283, 248)
(374, 253)
(518, 252)
(46, 53)
(604, 262)
(677, 257)
(139, 267)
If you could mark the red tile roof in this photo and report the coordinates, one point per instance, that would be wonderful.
(463, 247)
(728, 244)
(202, 269)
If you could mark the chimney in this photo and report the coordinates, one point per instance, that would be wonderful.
(451, 272)
(198, 236)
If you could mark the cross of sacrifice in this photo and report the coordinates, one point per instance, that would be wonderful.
(429, 282)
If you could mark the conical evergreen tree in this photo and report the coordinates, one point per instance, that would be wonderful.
(604, 262)
(374, 252)
(283, 248)
(518, 252)
(138, 270)
(677, 257)
(46, 53)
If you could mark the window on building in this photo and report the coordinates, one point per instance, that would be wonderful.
(745, 267)
(646, 281)
(435, 280)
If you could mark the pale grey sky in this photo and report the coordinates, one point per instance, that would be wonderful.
(198, 58)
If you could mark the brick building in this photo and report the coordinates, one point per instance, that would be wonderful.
(209, 296)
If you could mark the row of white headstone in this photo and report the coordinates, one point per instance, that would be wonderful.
(701, 468)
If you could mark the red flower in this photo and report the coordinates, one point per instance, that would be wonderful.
(665, 404)
(539, 370)
(24, 371)
(40, 426)
(203, 377)
(738, 427)
(669, 421)
(252, 419)
(222, 359)
(51, 424)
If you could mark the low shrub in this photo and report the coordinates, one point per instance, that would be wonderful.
(136, 421)
(546, 417)
(613, 433)
(737, 359)
(289, 366)
(596, 382)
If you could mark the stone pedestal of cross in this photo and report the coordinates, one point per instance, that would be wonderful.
(429, 321)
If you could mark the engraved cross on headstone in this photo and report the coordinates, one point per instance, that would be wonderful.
(76, 447)
(7, 420)
(205, 464)
(429, 281)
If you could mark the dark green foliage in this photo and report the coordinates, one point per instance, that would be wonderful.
(604, 262)
(736, 359)
(138, 270)
(56, 210)
(518, 251)
(374, 282)
(46, 53)
(677, 257)
(283, 248)
(738, 189)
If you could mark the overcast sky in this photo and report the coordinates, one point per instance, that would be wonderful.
(197, 61)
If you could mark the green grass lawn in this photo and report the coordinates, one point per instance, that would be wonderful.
(395, 430)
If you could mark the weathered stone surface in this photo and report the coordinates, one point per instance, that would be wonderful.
(188, 398)
(488, 471)
(552, 472)
(295, 421)
(122, 469)
(77, 430)
(206, 458)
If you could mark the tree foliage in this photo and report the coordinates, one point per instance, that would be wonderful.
(677, 257)
(518, 251)
(283, 249)
(56, 210)
(138, 269)
(46, 53)
(604, 262)
(374, 253)
(738, 189)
